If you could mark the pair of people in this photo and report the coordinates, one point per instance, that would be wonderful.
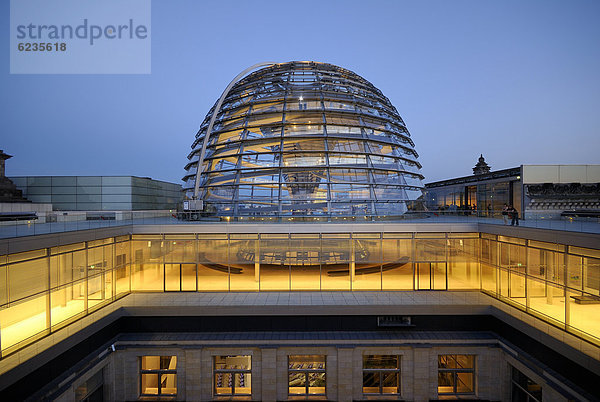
(509, 212)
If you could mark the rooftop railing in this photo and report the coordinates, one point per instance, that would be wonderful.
(83, 221)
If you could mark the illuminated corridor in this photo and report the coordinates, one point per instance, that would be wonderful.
(49, 288)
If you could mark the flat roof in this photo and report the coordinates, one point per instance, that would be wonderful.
(497, 174)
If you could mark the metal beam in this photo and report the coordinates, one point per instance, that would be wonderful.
(214, 116)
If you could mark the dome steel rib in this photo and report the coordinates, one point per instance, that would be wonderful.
(303, 139)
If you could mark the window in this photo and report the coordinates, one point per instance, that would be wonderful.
(92, 389)
(159, 375)
(524, 389)
(233, 375)
(381, 374)
(306, 375)
(456, 374)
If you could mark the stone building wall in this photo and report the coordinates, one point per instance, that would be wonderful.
(344, 366)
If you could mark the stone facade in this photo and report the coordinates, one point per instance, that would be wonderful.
(344, 366)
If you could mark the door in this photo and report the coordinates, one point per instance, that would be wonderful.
(180, 277)
(431, 276)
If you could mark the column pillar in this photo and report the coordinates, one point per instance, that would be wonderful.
(550, 273)
(48, 292)
(564, 264)
(193, 371)
(423, 385)
(257, 260)
(352, 263)
(345, 369)
(85, 282)
(269, 374)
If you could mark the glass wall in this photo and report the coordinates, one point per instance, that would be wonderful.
(44, 290)
(447, 198)
(554, 282)
(484, 198)
(100, 193)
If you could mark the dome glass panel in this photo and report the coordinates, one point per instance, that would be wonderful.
(304, 139)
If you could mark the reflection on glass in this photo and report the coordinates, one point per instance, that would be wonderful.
(397, 266)
(305, 128)
(456, 374)
(524, 388)
(297, 384)
(557, 284)
(158, 375)
(306, 375)
(305, 272)
(232, 375)
(381, 374)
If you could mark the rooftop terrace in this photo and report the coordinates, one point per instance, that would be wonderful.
(79, 222)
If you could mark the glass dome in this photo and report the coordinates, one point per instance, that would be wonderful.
(303, 139)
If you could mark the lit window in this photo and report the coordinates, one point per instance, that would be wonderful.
(306, 375)
(159, 375)
(456, 374)
(233, 375)
(524, 389)
(381, 374)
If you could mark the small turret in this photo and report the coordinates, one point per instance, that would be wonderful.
(8, 190)
(481, 167)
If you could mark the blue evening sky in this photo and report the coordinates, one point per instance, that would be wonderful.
(518, 81)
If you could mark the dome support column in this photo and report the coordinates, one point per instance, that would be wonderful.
(214, 117)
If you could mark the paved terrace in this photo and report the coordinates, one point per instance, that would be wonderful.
(32, 228)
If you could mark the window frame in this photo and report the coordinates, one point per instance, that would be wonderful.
(85, 391)
(307, 372)
(515, 384)
(232, 372)
(381, 371)
(158, 372)
(455, 372)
